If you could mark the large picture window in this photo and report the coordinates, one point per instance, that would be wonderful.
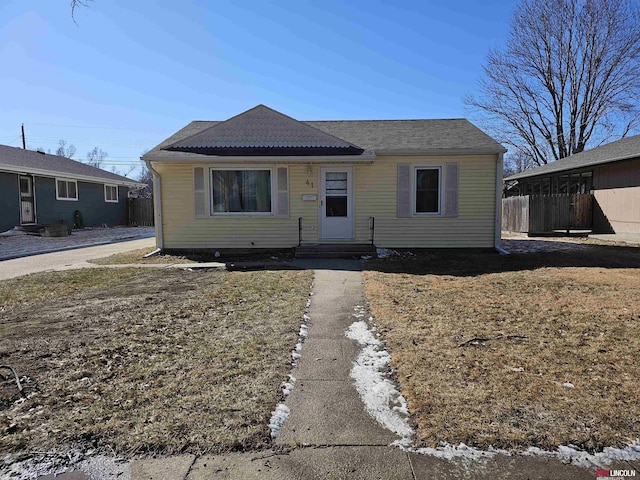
(427, 193)
(66, 189)
(241, 191)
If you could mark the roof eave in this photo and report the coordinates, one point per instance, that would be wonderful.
(54, 174)
(442, 151)
(366, 157)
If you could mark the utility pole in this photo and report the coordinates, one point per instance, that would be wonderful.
(24, 143)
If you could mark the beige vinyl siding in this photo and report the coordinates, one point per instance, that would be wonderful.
(181, 229)
(376, 193)
(620, 209)
(375, 190)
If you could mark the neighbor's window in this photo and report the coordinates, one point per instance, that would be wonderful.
(241, 191)
(111, 193)
(66, 189)
(427, 181)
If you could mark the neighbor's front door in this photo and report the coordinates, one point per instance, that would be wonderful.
(27, 207)
(336, 203)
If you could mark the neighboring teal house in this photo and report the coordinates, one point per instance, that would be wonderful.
(39, 188)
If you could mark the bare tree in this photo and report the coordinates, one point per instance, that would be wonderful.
(517, 162)
(65, 150)
(146, 177)
(78, 3)
(569, 77)
(96, 157)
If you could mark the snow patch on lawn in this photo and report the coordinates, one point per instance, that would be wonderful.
(567, 454)
(382, 399)
(278, 417)
(451, 452)
(98, 467)
(584, 459)
(385, 253)
(281, 413)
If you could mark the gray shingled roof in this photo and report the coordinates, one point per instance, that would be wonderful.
(29, 161)
(611, 152)
(447, 136)
(262, 130)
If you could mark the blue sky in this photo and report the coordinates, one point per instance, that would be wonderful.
(130, 73)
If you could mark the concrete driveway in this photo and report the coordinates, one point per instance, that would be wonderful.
(15, 244)
(68, 259)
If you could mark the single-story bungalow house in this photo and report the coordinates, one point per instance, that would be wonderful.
(611, 172)
(39, 188)
(263, 180)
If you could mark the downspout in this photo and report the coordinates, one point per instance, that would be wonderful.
(497, 234)
(157, 204)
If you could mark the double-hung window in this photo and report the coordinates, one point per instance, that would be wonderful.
(427, 181)
(66, 189)
(111, 193)
(241, 191)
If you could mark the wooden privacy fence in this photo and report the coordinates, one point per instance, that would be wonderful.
(141, 212)
(547, 213)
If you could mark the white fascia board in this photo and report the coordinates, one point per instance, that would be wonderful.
(72, 176)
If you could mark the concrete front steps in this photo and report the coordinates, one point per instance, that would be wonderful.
(335, 250)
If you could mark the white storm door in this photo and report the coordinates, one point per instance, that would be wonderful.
(336, 202)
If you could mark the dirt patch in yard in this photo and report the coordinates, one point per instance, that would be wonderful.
(130, 361)
(539, 349)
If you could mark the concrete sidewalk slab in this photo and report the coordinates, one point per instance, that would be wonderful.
(331, 463)
(167, 468)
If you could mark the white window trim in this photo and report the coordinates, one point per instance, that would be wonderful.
(67, 199)
(108, 185)
(29, 181)
(274, 193)
(414, 192)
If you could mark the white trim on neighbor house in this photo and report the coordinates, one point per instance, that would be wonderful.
(67, 181)
(53, 174)
(108, 186)
(414, 192)
(209, 190)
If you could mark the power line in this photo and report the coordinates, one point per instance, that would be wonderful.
(103, 128)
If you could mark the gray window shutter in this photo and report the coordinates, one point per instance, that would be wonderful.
(404, 190)
(198, 192)
(282, 184)
(451, 190)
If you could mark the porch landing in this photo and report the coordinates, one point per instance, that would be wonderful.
(335, 250)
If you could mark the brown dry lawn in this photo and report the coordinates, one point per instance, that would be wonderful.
(130, 361)
(137, 256)
(580, 313)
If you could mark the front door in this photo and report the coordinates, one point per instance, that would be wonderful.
(27, 205)
(336, 203)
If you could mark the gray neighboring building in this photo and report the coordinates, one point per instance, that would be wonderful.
(610, 172)
(39, 188)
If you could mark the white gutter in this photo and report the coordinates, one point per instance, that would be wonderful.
(157, 203)
(497, 235)
(71, 176)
